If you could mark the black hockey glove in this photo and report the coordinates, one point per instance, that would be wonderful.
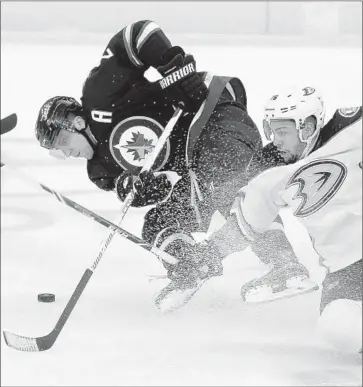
(148, 188)
(195, 260)
(179, 72)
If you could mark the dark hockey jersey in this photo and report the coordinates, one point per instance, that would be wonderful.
(270, 157)
(127, 113)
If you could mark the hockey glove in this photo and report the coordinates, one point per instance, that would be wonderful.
(195, 260)
(148, 188)
(179, 72)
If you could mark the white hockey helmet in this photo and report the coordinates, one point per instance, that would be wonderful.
(297, 104)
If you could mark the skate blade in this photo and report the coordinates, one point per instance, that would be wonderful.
(258, 296)
(173, 299)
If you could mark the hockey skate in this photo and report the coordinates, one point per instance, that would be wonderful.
(282, 282)
(188, 277)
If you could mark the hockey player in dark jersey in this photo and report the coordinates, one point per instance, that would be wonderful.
(123, 114)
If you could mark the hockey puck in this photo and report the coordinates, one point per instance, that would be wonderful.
(46, 297)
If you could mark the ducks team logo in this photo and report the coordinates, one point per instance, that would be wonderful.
(317, 181)
(133, 139)
(308, 91)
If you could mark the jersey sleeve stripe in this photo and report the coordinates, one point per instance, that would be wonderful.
(208, 79)
(207, 82)
(230, 90)
(147, 30)
(127, 35)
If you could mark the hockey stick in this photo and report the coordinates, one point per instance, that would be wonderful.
(92, 215)
(43, 343)
(8, 123)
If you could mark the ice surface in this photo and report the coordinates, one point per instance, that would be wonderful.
(115, 335)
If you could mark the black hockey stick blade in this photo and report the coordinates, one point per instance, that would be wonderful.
(43, 343)
(8, 123)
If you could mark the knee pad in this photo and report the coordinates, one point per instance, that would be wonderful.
(340, 324)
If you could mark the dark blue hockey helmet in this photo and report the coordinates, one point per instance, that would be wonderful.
(53, 116)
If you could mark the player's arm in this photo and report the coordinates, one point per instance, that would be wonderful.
(143, 44)
(236, 91)
(101, 174)
(139, 45)
(342, 119)
(149, 189)
(121, 72)
(254, 211)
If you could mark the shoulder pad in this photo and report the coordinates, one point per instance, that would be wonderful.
(341, 119)
(345, 117)
(239, 90)
(349, 112)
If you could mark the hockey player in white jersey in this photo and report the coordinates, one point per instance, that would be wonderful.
(294, 119)
(323, 188)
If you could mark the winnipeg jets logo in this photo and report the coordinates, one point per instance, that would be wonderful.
(139, 146)
(133, 139)
(317, 181)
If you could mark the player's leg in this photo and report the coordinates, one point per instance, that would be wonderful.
(220, 158)
(340, 321)
(169, 226)
(174, 213)
(286, 277)
(273, 246)
(235, 158)
(222, 155)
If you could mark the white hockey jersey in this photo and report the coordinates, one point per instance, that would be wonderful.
(324, 191)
